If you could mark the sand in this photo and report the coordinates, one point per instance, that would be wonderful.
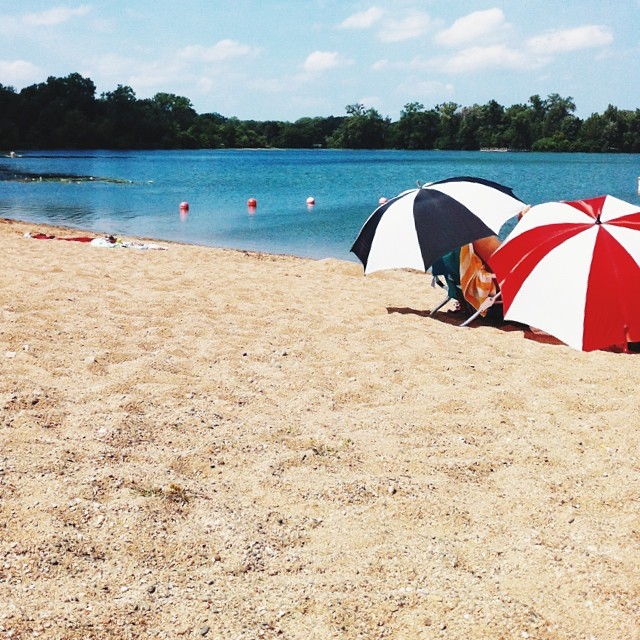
(207, 443)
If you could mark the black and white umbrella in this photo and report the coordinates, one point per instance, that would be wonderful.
(419, 226)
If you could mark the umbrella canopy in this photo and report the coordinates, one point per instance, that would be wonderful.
(572, 269)
(419, 226)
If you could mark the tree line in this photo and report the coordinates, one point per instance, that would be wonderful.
(64, 113)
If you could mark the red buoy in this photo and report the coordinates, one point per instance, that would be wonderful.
(252, 202)
(184, 206)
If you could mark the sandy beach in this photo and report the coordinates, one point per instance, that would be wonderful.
(204, 443)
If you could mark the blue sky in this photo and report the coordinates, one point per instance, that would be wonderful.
(287, 59)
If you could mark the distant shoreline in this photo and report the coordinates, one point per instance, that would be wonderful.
(77, 119)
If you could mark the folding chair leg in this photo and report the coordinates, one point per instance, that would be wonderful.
(440, 305)
(485, 305)
(471, 318)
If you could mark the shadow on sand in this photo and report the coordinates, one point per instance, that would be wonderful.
(456, 318)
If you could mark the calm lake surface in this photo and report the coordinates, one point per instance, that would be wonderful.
(139, 193)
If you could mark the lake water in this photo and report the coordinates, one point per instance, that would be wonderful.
(346, 186)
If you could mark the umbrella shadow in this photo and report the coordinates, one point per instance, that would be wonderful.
(447, 317)
(455, 318)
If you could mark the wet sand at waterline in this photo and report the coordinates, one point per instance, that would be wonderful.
(212, 443)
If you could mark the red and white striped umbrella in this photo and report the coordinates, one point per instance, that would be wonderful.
(572, 269)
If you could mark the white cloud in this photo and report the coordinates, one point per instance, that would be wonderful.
(313, 104)
(473, 27)
(427, 88)
(496, 56)
(179, 69)
(371, 102)
(272, 85)
(414, 25)
(113, 65)
(320, 61)
(54, 16)
(363, 19)
(19, 72)
(380, 65)
(155, 76)
(475, 59)
(534, 54)
(563, 40)
(223, 50)
(27, 24)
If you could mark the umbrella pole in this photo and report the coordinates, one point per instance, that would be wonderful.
(625, 347)
(483, 307)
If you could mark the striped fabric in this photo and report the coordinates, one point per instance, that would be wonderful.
(572, 269)
(476, 281)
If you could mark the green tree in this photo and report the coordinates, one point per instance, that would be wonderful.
(614, 129)
(560, 128)
(120, 122)
(559, 116)
(9, 122)
(519, 127)
(632, 137)
(48, 110)
(170, 119)
(450, 117)
(64, 113)
(472, 134)
(592, 136)
(208, 131)
(417, 128)
(538, 112)
(361, 129)
(491, 133)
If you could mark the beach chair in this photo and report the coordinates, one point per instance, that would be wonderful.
(445, 274)
(436, 281)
